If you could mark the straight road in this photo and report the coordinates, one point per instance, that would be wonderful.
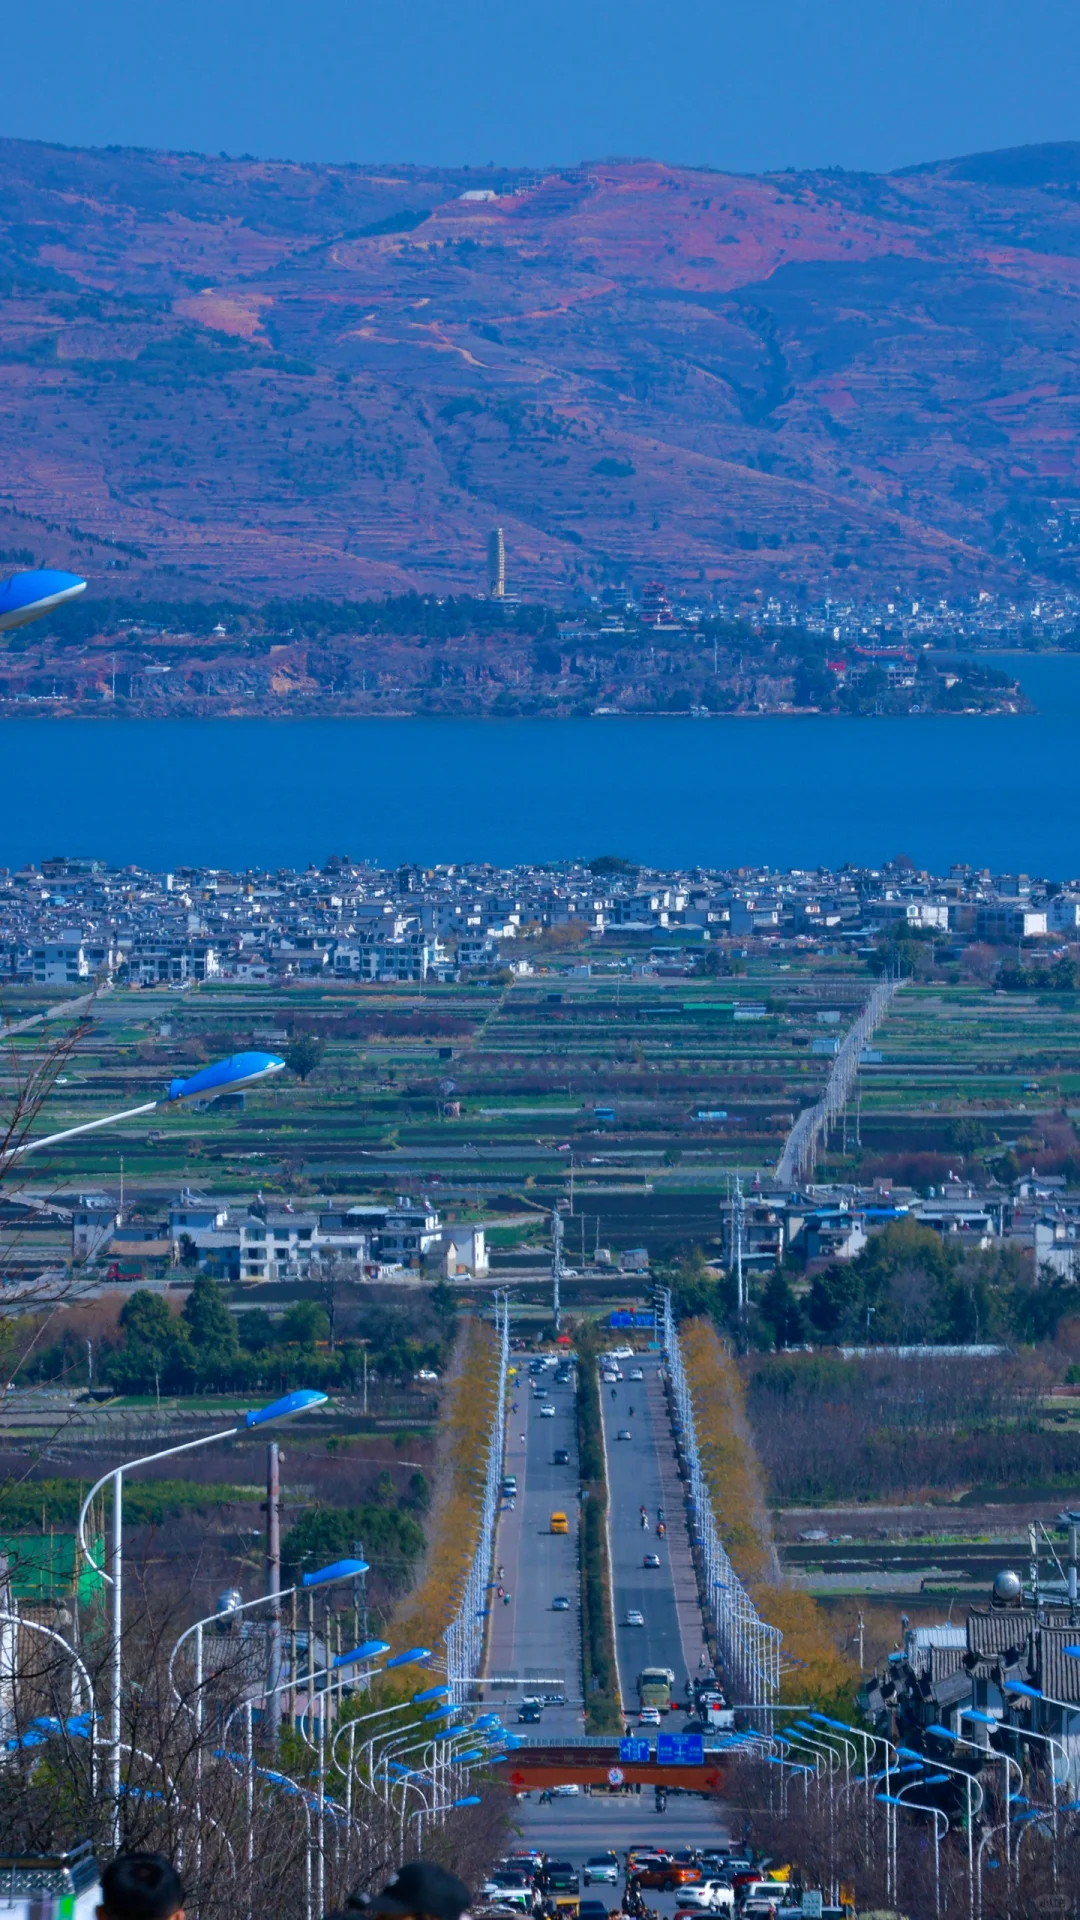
(539, 1647)
(641, 1472)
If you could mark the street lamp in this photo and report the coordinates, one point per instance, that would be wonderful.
(920, 1806)
(291, 1404)
(225, 1076)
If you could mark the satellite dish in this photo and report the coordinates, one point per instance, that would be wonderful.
(1008, 1588)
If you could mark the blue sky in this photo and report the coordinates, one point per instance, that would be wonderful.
(741, 84)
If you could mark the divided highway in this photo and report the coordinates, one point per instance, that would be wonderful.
(530, 1641)
(641, 1472)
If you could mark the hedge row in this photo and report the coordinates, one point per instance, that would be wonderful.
(600, 1671)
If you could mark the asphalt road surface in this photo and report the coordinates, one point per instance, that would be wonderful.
(637, 1470)
(539, 1648)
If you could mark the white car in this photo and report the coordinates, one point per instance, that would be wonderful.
(707, 1896)
(634, 1617)
(547, 1413)
(566, 1790)
(603, 1867)
(649, 1717)
(636, 1373)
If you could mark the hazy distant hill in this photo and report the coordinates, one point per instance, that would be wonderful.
(265, 377)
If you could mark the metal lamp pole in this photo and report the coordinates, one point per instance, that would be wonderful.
(283, 1409)
(239, 1070)
(919, 1806)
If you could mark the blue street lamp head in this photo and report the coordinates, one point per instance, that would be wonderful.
(339, 1570)
(226, 1076)
(909, 1753)
(936, 1780)
(286, 1408)
(889, 1799)
(941, 1733)
(408, 1659)
(369, 1651)
(487, 1720)
(27, 596)
(474, 1753)
(440, 1713)
(430, 1693)
(975, 1713)
(1073, 1652)
(1018, 1686)
(470, 1800)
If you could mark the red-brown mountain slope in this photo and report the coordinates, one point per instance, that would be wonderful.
(230, 374)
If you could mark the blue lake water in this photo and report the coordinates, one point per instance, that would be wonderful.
(1001, 791)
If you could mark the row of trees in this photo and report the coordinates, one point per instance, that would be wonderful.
(908, 1287)
(206, 1347)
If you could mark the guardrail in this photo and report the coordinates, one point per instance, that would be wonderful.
(465, 1634)
(749, 1648)
(800, 1148)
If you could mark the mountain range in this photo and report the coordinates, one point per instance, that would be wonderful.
(230, 375)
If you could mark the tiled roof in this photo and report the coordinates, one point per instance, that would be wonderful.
(1058, 1673)
(996, 1629)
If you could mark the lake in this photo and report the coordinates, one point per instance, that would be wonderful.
(1001, 791)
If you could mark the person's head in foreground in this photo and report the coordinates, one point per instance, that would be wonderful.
(418, 1891)
(141, 1886)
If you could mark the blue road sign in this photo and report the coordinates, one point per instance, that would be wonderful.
(680, 1750)
(635, 1751)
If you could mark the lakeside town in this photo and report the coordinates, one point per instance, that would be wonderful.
(644, 653)
(68, 922)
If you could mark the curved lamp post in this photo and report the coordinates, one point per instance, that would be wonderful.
(286, 1408)
(225, 1076)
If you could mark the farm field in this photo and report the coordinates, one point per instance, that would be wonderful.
(636, 1096)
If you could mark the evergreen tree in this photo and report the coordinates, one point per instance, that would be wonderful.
(210, 1326)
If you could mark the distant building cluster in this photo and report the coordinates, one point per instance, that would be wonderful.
(262, 1242)
(65, 923)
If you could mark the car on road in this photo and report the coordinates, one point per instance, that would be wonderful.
(559, 1876)
(611, 1377)
(547, 1412)
(561, 1457)
(560, 1604)
(651, 1560)
(707, 1896)
(530, 1712)
(603, 1867)
(636, 1374)
(649, 1717)
(668, 1874)
(624, 1433)
(559, 1522)
(634, 1617)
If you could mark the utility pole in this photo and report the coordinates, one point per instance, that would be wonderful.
(737, 1236)
(273, 1589)
(556, 1264)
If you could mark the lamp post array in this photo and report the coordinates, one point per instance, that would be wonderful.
(749, 1646)
(286, 1408)
(446, 1771)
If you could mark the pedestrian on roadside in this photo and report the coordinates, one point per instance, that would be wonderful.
(141, 1886)
(419, 1890)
